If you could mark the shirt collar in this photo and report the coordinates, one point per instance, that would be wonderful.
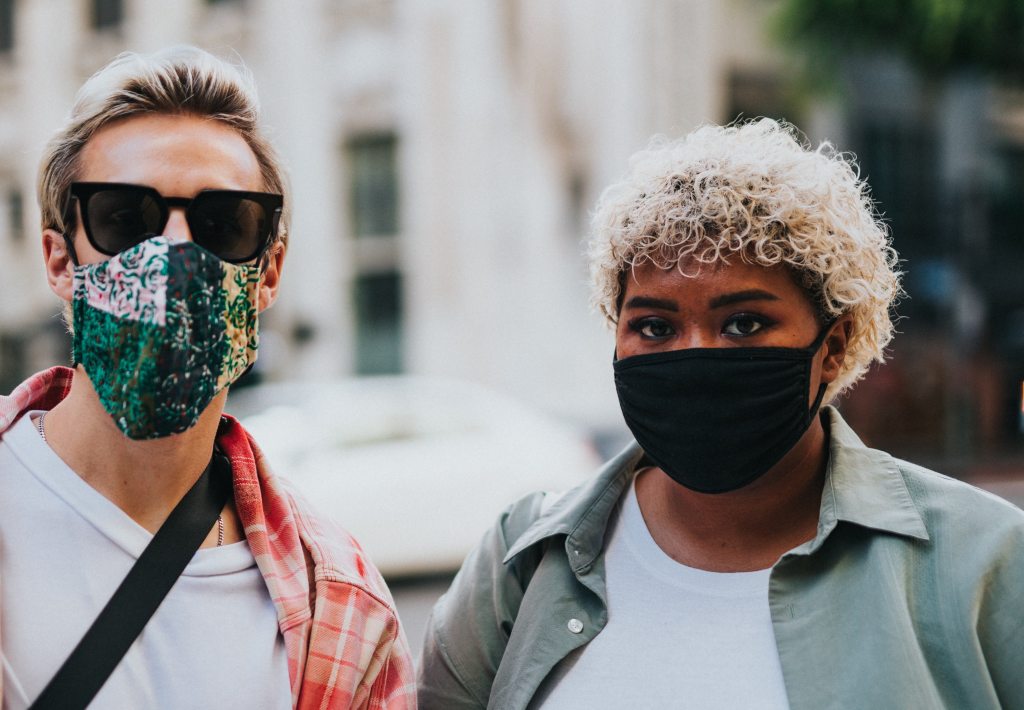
(863, 486)
(44, 390)
(582, 513)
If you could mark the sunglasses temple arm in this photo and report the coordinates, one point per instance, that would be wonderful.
(265, 257)
(71, 249)
(69, 221)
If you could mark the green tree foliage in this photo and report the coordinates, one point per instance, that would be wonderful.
(936, 35)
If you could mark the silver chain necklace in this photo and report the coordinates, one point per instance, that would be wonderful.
(220, 518)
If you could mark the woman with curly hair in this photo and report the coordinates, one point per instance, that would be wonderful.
(747, 550)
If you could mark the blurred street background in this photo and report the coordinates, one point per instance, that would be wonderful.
(444, 157)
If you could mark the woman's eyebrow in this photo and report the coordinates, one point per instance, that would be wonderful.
(648, 302)
(754, 294)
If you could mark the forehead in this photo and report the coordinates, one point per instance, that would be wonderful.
(178, 155)
(696, 283)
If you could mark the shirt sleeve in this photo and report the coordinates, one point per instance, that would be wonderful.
(1000, 619)
(470, 625)
(394, 688)
(357, 656)
(440, 683)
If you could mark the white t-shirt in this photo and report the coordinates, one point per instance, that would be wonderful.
(64, 548)
(677, 637)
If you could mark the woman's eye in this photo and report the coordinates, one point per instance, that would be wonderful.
(743, 325)
(653, 328)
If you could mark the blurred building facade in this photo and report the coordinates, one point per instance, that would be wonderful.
(943, 155)
(445, 154)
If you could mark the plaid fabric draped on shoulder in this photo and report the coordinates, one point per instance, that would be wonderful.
(345, 646)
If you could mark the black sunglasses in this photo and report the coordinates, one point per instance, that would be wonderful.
(237, 226)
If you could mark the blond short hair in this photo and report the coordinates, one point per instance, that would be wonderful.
(758, 192)
(181, 80)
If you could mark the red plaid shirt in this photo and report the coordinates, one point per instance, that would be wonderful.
(345, 647)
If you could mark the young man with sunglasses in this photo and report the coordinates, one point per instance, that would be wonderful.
(149, 556)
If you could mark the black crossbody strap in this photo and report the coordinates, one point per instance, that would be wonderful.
(137, 598)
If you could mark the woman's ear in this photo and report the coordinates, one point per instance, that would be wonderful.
(834, 352)
(270, 279)
(59, 264)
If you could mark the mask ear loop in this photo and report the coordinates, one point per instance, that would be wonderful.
(74, 260)
(69, 244)
(813, 349)
(817, 403)
(262, 265)
(822, 336)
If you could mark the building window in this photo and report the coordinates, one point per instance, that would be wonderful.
(374, 186)
(377, 293)
(13, 360)
(378, 307)
(1007, 177)
(107, 14)
(901, 161)
(755, 93)
(6, 25)
(15, 214)
(576, 204)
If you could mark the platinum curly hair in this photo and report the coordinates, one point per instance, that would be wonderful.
(758, 192)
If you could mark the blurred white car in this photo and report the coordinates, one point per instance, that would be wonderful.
(416, 468)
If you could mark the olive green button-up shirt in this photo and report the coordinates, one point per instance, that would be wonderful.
(910, 595)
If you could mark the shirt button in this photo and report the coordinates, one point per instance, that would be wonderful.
(575, 625)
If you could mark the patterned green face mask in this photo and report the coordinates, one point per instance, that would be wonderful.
(160, 329)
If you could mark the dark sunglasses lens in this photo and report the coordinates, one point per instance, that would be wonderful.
(232, 227)
(121, 218)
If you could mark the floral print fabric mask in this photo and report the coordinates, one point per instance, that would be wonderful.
(160, 329)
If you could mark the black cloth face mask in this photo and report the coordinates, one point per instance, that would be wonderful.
(716, 419)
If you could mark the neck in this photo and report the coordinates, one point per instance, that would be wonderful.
(145, 479)
(743, 530)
